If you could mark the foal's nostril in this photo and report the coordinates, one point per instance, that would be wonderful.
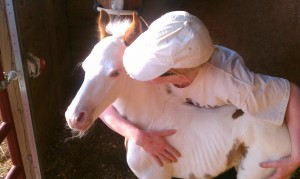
(80, 118)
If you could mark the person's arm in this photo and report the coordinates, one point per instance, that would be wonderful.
(153, 142)
(285, 167)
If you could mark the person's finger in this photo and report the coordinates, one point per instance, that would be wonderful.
(276, 163)
(166, 133)
(274, 175)
(270, 164)
(157, 160)
(168, 147)
(169, 156)
(165, 158)
(278, 175)
(173, 151)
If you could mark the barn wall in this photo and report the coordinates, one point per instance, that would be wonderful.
(82, 25)
(44, 32)
(82, 21)
(266, 33)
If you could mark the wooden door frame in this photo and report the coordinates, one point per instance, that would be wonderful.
(11, 54)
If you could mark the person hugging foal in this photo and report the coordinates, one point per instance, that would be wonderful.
(177, 50)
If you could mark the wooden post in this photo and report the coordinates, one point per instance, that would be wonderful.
(28, 151)
(17, 170)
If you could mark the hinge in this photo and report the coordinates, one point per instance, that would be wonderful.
(12, 75)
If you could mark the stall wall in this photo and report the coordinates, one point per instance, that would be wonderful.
(83, 32)
(49, 29)
(43, 32)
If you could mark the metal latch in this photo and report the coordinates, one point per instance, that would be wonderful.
(12, 75)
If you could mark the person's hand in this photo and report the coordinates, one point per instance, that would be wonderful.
(284, 167)
(154, 143)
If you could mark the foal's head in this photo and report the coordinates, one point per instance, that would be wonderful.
(104, 72)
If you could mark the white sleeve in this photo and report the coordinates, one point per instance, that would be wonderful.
(262, 96)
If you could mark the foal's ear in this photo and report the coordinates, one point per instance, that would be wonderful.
(102, 22)
(134, 30)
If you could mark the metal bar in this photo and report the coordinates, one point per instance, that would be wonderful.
(117, 12)
(12, 140)
(13, 173)
(4, 130)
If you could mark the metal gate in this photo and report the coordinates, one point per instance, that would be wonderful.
(8, 131)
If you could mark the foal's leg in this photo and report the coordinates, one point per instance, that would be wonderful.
(143, 166)
(249, 167)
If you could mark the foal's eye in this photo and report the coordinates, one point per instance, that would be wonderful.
(114, 73)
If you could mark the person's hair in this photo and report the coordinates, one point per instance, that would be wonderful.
(188, 72)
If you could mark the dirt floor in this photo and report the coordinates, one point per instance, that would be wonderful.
(5, 161)
(98, 155)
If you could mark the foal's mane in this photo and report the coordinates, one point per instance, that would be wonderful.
(118, 26)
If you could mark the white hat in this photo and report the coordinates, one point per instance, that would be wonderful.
(175, 40)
